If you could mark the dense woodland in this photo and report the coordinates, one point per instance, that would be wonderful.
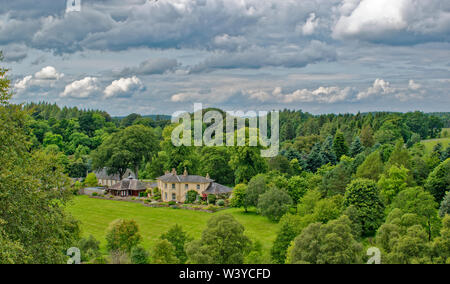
(341, 184)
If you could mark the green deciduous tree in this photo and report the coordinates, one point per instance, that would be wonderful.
(246, 162)
(331, 243)
(392, 183)
(222, 242)
(91, 180)
(372, 167)
(290, 227)
(367, 138)
(438, 183)
(34, 227)
(139, 255)
(239, 196)
(441, 245)
(256, 187)
(178, 238)
(274, 203)
(164, 252)
(445, 205)
(89, 247)
(418, 201)
(363, 194)
(122, 235)
(126, 149)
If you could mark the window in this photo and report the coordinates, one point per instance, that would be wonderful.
(165, 185)
(198, 187)
(173, 186)
(165, 195)
(174, 197)
(186, 186)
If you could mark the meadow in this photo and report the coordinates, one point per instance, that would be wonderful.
(96, 214)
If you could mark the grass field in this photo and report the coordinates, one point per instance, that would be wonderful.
(429, 144)
(96, 214)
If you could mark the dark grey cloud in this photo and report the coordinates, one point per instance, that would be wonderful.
(151, 66)
(256, 58)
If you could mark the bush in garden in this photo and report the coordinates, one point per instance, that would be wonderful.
(212, 199)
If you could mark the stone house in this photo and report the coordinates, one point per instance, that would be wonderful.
(175, 187)
(109, 180)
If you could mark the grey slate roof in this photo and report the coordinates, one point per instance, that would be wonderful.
(129, 184)
(103, 174)
(184, 178)
(215, 188)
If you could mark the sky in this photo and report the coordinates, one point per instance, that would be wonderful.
(162, 56)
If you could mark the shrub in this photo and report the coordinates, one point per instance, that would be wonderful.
(221, 202)
(212, 199)
(139, 255)
(191, 196)
(212, 208)
(172, 203)
(91, 180)
(94, 194)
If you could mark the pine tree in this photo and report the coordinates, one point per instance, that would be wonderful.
(314, 160)
(367, 136)
(327, 152)
(339, 145)
(356, 147)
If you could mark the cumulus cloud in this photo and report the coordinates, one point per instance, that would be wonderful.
(325, 95)
(379, 87)
(124, 87)
(151, 67)
(82, 89)
(23, 84)
(394, 22)
(48, 73)
(322, 95)
(43, 79)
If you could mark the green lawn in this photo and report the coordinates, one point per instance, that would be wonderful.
(429, 144)
(96, 214)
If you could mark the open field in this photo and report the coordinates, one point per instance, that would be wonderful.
(96, 214)
(429, 144)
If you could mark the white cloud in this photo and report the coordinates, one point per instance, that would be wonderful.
(326, 95)
(48, 73)
(43, 79)
(124, 87)
(379, 87)
(311, 24)
(24, 83)
(394, 22)
(81, 89)
(414, 86)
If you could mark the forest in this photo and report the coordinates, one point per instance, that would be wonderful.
(342, 183)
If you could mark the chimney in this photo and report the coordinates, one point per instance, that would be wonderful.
(207, 176)
(174, 171)
(185, 172)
